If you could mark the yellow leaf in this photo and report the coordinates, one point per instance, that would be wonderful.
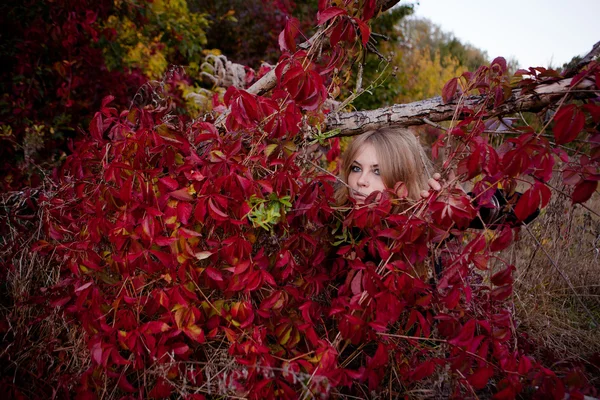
(270, 149)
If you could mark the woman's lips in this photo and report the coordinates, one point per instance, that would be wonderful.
(359, 197)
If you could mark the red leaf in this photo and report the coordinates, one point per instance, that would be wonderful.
(125, 385)
(148, 227)
(184, 211)
(525, 365)
(528, 203)
(498, 97)
(451, 300)
(97, 127)
(200, 211)
(179, 348)
(369, 9)
(214, 274)
(449, 90)
(380, 359)
(593, 110)
(481, 377)
(182, 194)
(454, 208)
(162, 389)
(169, 182)
(571, 176)
(544, 165)
(365, 31)
(502, 292)
(328, 14)
(465, 335)
(569, 122)
(502, 240)
(337, 33)
(501, 63)
(473, 164)
(107, 100)
(503, 277)
(423, 371)
(214, 211)
(97, 353)
(125, 192)
(288, 35)
(165, 258)
(516, 161)
(545, 194)
(356, 283)
(583, 191)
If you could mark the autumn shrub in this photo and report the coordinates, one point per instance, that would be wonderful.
(207, 258)
(53, 78)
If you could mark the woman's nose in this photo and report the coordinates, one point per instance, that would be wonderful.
(363, 180)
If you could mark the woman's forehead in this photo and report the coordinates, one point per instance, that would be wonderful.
(366, 155)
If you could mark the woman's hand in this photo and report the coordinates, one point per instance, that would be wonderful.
(434, 186)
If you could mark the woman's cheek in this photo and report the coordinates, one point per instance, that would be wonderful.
(378, 184)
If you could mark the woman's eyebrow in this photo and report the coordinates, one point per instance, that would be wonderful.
(360, 165)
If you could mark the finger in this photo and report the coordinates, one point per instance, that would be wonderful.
(434, 184)
(425, 194)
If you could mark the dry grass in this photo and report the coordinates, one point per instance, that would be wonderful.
(38, 346)
(557, 281)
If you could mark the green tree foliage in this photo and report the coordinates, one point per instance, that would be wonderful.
(422, 33)
(421, 59)
(153, 35)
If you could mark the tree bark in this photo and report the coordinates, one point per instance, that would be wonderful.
(434, 109)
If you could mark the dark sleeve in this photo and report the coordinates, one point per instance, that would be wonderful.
(501, 213)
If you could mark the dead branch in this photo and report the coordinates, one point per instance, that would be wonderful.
(434, 109)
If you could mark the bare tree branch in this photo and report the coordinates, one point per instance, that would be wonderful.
(434, 110)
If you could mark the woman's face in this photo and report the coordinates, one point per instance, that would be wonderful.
(364, 177)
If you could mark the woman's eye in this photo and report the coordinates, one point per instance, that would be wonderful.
(355, 168)
(376, 171)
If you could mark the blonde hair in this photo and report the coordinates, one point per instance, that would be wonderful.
(400, 157)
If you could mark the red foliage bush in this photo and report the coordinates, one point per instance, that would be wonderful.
(206, 257)
(53, 79)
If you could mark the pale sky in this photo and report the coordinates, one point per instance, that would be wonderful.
(535, 32)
